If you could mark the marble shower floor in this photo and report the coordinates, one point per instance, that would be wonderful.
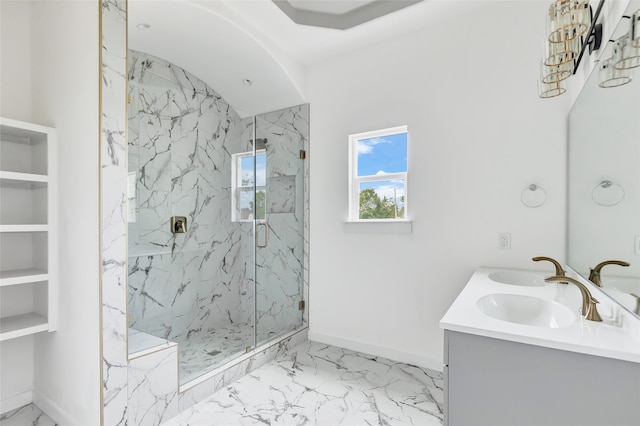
(316, 384)
(27, 415)
(202, 352)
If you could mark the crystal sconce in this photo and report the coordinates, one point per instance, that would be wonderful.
(571, 28)
(625, 57)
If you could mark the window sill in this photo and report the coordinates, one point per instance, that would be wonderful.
(378, 227)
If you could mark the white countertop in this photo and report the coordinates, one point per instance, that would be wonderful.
(617, 336)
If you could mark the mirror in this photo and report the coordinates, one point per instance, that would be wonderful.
(604, 179)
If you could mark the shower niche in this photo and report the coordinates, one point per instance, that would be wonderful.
(231, 280)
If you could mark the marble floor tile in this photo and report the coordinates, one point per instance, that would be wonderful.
(316, 384)
(28, 415)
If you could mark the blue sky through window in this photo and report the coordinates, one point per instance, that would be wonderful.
(386, 154)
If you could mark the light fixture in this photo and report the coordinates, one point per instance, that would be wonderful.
(561, 53)
(143, 26)
(617, 70)
(247, 82)
(625, 53)
(635, 29)
(550, 74)
(568, 20)
(609, 76)
(571, 28)
(550, 90)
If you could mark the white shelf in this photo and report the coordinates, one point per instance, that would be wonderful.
(22, 180)
(22, 325)
(25, 147)
(23, 132)
(22, 276)
(24, 228)
(28, 228)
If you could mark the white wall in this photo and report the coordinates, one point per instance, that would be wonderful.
(50, 77)
(15, 67)
(478, 135)
(16, 356)
(16, 372)
(65, 96)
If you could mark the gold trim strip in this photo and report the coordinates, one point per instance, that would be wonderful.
(126, 166)
(100, 218)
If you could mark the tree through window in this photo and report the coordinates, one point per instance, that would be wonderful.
(378, 172)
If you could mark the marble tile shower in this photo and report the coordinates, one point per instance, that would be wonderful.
(180, 135)
(210, 290)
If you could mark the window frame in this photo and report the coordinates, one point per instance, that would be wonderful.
(236, 176)
(355, 180)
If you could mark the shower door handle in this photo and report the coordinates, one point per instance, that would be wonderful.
(266, 234)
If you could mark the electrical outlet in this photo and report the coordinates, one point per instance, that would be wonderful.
(504, 240)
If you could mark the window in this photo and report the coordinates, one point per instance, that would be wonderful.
(378, 173)
(248, 205)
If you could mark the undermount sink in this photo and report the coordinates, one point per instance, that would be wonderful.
(526, 310)
(522, 278)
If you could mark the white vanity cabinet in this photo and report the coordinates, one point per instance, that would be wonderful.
(28, 240)
(496, 382)
(513, 357)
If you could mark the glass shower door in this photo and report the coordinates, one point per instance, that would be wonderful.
(279, 231)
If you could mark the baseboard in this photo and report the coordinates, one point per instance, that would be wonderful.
(51, 409)
(16, 401)
(382, 351)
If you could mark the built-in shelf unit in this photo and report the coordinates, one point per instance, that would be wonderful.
(28, 239)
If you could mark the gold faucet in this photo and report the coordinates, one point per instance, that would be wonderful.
(594, 276)
(559, 270)
(589, 310)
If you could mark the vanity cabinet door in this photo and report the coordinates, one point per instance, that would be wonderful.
(497, 382)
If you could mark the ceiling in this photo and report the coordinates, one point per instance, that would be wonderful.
(223, 42)
(329, 6)
(311, 45)
(339, 14)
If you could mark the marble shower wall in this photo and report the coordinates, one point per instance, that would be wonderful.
(181, 136)
(113, 238)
